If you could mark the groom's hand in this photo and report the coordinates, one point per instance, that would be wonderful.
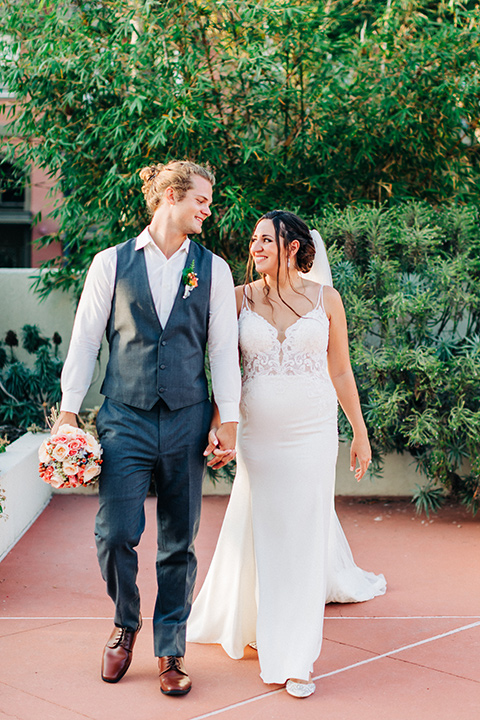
(65, 418)
(212, 441)
(221, 442)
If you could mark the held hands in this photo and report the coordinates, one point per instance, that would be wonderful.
(360, 450)
(221, 442)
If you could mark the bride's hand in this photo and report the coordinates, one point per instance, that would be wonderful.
(361, 451)
(221, 443)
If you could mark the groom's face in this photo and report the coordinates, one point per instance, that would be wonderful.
(194, 208)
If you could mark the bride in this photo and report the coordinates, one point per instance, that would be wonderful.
(281, 554)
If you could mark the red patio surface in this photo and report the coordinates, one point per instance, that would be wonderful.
(411, 654)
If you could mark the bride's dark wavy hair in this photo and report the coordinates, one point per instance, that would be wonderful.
(288, 227)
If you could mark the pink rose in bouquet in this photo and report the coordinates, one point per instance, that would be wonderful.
(75, 445)
(70, 458)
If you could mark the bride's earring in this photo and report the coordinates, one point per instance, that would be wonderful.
(288, 262)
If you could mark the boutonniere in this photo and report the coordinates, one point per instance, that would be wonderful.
(189, 279)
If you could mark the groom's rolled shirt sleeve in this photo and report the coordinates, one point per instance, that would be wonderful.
(88, 330)
(223, 342)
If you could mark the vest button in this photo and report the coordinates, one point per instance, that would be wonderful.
(164, 342)
(162, 367)
(161, 389)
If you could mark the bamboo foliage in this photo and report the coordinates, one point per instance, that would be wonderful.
(295, 104)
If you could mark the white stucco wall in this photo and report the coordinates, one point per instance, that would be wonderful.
(26, 494)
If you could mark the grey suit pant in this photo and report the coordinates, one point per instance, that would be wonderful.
(168, 446)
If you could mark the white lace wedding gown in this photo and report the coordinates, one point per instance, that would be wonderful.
(281, 553)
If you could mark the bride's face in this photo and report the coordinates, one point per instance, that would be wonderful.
(263, 248)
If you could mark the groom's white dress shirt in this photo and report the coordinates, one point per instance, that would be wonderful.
(164, 277)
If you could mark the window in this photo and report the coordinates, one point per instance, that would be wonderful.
(12, 186)
(15, 230)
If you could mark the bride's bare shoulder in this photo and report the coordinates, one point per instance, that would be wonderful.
(239, 295)
(332, 294)
(242, 292)
(332, 302)
(250, 291)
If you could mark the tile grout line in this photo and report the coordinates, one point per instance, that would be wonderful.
(45, 700)
(338, 617)
(401, 649)
(340, 670)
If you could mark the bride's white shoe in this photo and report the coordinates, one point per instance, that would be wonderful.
(300, 689)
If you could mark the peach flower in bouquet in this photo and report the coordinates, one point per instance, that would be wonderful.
(70, 458)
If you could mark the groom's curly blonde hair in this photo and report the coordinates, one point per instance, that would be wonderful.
(176, 174)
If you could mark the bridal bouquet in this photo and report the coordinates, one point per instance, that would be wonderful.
(70, 458)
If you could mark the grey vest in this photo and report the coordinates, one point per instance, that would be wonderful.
(146, 361)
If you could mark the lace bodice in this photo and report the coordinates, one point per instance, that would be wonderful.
(303, 352)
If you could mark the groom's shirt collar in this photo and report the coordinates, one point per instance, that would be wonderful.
(145, 239)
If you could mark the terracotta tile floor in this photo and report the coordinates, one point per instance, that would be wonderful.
(409, 655)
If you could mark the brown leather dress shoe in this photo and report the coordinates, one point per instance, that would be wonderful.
(117, 654)
(174, 678)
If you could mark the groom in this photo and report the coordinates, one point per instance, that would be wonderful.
(160, 298)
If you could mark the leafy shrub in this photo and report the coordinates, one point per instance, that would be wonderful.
(410, 281)
(27, 393)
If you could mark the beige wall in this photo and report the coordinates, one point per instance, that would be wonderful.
(399, 478)
(42, 200)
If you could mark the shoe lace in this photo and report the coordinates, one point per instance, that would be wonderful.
(120, 636)
(122, 639)
(173, 663)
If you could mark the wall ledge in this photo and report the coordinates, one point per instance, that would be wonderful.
(26, 494)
